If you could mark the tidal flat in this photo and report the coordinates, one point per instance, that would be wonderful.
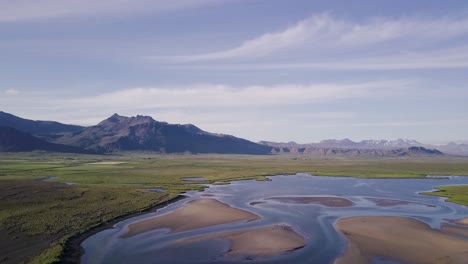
(324, 219)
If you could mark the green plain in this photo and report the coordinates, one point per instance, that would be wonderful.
(55, 211)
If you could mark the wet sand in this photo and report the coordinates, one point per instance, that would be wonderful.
(195, 214)
(463, 221)
(329, 201)
(455, 230)
(403, 239)
(259, 242)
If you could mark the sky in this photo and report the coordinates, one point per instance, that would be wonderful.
(277, 70)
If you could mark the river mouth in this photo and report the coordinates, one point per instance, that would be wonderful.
(309, 205)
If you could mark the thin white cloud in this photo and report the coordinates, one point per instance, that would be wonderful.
(11, 92)
(255, 95)
(318, 42)
(207, 99)
(436, 59)
(264, 44)
(24, 10)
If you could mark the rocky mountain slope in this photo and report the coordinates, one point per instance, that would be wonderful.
(120, 133)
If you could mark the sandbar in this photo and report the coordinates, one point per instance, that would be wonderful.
(258, 242)
(329, 201)
(463, 221)
(398, 238)
(460, 231)
(195, 214)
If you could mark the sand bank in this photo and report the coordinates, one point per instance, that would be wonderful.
(195, 214)
(398, 238)
(463, 221)
(455, 230)
(329, 201)
(260, 242)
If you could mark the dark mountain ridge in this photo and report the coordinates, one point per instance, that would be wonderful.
(36, 127)
(13, 140)
(120, 133)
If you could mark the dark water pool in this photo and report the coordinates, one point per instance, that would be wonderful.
(314, 222)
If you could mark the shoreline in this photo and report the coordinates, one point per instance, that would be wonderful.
(73, 250)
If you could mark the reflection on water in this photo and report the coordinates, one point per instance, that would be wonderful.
(314, 221)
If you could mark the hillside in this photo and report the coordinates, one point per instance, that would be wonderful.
(120, 133)
(13, 140)
(35, 127)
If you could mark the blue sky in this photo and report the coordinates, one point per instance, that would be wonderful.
(261, 69)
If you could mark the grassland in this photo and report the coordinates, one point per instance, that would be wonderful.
(38, 216)
(454, 194)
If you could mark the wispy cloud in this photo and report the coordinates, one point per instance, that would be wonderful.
(255, 95)
(24, 10)
(205, 97)
(327, 42)
(11, 92)
(435, 59)
(264, 44)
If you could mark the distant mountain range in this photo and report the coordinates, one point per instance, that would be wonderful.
(347, 143)
(368, 146)
(143, 133)
(318, 151)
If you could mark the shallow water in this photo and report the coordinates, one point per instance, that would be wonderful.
(314, 222)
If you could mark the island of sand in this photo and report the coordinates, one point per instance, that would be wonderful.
(258, 242)
(463, 221)
(459, 229)
(398, 238)
(195, 214)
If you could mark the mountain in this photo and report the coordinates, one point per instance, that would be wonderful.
(13, 140)
(36, 127)
(120, 133)
(368, 144)
(349, 144)
(335, 143)
(454, 149)
(450, 148)
(347, 147)
(279, 144)
(319, 151)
